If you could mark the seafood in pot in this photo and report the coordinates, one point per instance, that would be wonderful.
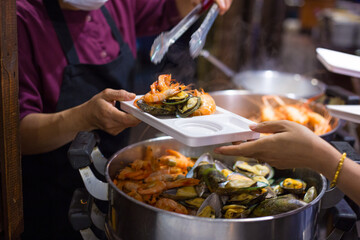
(274, 108)
(209, 188)
(170, 98)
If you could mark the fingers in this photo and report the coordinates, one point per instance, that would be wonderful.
(244, 149)
(123, 118)
(271, 127)
(224, 5)
(111, 95)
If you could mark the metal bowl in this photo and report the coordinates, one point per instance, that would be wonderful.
(132, 219)
(248, 105)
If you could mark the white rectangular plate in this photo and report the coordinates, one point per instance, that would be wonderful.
(221, 127)
(339, 62)
(347, 112)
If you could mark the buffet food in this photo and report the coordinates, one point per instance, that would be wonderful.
(205, 187)
(167, 97)
(274, 108)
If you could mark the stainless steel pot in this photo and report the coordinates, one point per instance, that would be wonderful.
(271, 82)
(248, 105)
(131, 219)
(279, 83)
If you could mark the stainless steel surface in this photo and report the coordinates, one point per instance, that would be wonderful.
(131, 219)
(279, 83)
(332, 197)
(271, 82)
(248, 105)
(162, 43)
(99, 160)
(198, 38)
(94, 186)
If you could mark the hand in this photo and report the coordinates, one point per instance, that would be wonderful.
(100, 112)
(224, 5)
(185, 6)
(44, 132)
(292, 145)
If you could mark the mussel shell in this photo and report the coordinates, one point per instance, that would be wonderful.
(188, 107)
(202, 190)
(252, 169)
(181, 193)
(210, 175)
(229, 189)
(278, 190)
(249, 198)
(204, 158)
(179, 98)
(207, 212)
(156, 109)
(194, 203)
(291, 189)
(213, 201)
(273, 206)
(310, 194)
(234, 211)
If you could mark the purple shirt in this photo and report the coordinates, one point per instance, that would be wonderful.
(42, 61)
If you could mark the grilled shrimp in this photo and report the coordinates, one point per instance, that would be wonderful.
(207, 105)
(182, 183)
(171, 205)
(153, 187)
(319, 124)
(174, 158)
(162, 89)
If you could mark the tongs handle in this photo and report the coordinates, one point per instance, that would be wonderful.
(188, 20)
(198, 38)
(162, 43)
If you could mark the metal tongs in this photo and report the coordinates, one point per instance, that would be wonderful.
(162, 43)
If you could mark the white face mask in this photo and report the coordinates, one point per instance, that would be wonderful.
(86, 5)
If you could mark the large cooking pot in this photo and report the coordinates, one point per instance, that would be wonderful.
(248, 105)
(129, 219)
(271, 82)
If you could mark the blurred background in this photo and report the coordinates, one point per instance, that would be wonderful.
(277, 35)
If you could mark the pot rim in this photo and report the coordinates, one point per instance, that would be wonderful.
(242, 77)
(189, 217)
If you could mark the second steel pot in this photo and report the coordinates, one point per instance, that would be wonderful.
(248, 105)
(270, 81)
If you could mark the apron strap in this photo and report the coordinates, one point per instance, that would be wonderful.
(114, 29)
(62, 31)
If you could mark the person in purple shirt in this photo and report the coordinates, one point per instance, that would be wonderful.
(76, 61)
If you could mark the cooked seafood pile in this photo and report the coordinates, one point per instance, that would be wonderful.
(208, 188)
(274, 108)
(168, 97)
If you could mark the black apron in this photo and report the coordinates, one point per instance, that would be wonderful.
(48, 179)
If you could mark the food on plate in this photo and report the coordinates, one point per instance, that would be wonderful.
(274, 108)
(170, 98)
(208, 188)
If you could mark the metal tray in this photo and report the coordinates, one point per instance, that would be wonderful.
(221, 127)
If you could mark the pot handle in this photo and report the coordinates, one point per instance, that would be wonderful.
(84, 215)
(80, 158)
(344, 220)
(217, 63)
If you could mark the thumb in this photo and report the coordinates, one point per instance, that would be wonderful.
(117, 95)
(270, 127)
